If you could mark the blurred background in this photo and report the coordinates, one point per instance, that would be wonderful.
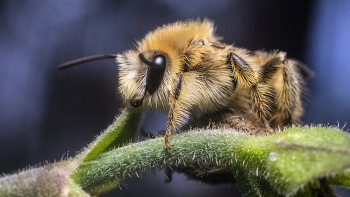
(46, 114)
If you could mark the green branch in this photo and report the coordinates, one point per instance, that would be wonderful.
(192, 147)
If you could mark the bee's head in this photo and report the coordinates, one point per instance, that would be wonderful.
(141, 75)
(147, 73)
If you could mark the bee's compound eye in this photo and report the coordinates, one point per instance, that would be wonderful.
(155, 73)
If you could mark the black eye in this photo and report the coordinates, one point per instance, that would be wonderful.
(155, 72)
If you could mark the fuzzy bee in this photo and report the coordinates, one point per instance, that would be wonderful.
(183, 67)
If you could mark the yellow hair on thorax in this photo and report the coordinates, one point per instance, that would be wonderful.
(177, 35)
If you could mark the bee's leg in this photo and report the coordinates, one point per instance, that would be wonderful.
(166, 140)
(282, 75)
(248, 76)
(173, 102)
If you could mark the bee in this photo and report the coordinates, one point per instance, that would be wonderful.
(183, 67)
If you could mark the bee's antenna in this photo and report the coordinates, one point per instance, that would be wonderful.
(86, 59)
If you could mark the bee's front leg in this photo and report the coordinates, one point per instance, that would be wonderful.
(174, 110)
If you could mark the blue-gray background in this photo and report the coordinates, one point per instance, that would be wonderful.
(45, 112)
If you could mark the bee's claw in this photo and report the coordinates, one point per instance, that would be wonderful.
(166, 141)
(167, 146)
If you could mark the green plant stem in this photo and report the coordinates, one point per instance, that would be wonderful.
(122, 130)
(193, 147)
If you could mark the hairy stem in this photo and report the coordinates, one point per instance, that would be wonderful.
(201, 146)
